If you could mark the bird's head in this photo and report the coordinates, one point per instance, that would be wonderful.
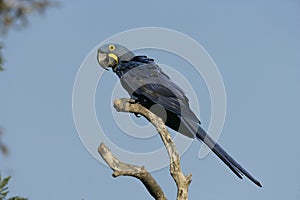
(110, 55)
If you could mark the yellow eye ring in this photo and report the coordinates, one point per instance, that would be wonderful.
(111, 47)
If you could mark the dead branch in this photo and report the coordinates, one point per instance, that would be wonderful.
(124, 169)
(182, 181)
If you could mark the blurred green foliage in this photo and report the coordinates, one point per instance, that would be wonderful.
(4, 190)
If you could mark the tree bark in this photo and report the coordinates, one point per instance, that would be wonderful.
(120, 168)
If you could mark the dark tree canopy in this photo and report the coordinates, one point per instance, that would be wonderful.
(14, 14)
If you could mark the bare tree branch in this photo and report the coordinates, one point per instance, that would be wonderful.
(182, 181)
(124, 169)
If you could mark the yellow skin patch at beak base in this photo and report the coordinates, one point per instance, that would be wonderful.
(113, 56)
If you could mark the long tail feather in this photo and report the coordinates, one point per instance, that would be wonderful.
(226, 158)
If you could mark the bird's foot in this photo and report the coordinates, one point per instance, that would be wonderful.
(132, 101)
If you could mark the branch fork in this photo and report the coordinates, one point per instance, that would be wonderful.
(123, 169)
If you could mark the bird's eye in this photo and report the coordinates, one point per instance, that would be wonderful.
(111, 47)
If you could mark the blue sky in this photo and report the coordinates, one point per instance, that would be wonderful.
(256, 46)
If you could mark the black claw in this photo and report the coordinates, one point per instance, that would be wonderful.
(133, 100)
(137, 115)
